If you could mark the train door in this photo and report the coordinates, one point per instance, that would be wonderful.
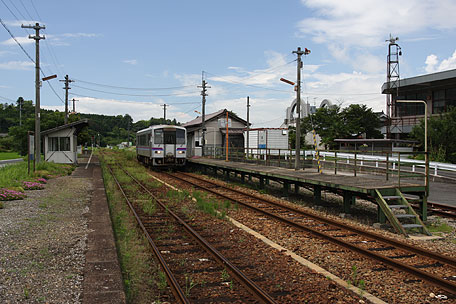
(169, 135)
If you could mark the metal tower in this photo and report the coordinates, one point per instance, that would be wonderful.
(392, 79)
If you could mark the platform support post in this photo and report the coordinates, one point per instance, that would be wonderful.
(317, 194)
(242, 177)
(423, 207)
(266, 181)
(227, 174)
(250, 177)
(296, 188)
(261, 182)
(349, 199)
(286, 188)
(381, 218)
(215, 170)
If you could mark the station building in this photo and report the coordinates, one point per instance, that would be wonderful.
(215, 124)
(437, 89)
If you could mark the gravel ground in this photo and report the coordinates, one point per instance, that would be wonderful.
(43, 241)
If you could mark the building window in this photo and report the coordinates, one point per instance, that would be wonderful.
(450, 98)
(438, 101)
(59, 144)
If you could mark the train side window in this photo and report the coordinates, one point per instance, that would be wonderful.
(158, 136)
(180, 136)
(148, 139)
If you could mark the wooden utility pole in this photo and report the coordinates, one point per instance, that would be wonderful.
(248, 125)
(67, 82)
(37, 39)
(204, 88)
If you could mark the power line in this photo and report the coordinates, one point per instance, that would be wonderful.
(130, 101)
(7, 99)
(137, 95)
(14, 38)
(138, 89)
(29, 57)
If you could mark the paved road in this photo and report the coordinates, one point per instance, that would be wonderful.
(10, 161)
(442, 193)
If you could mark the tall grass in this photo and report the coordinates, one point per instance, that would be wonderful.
(14, 175)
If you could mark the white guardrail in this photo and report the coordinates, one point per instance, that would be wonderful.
(360, 157)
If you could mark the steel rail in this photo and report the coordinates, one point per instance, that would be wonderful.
(255, 290)
(441, 209)
(434, 255)
(437, 281)
(175, 288)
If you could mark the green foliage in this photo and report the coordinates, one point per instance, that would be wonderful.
(103, 129)
(333, 122)
(441, 136)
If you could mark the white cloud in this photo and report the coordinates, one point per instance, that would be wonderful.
(131, 61)
(137, 110)
(21, 40)
(432, 63)
(365, 23)
(16, 65)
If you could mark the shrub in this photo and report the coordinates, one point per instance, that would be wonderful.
(10, 195)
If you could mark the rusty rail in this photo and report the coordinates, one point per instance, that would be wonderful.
(442, 283)
(255, 290)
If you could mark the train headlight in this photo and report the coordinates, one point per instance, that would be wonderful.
(181, 152)
(158, 152)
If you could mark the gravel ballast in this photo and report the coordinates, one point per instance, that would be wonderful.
(43, 241)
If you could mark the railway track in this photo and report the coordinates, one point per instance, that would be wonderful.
(431, 267)
(178, 246)
(442, 210)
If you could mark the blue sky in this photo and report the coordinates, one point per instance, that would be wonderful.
(161, 48)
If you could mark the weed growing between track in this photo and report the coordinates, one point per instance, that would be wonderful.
(141, 274)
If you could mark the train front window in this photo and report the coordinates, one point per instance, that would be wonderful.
(170, 137)
(180, 136)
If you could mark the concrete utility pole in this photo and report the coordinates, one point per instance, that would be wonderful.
(37, 39)
(204, 87)
(299, 52)
(20, 112)
(164, 111)
(67, 82)
(74, 105)
(248, 124)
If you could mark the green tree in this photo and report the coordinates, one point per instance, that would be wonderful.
(359, 119)
(441, 136)
(351, 122)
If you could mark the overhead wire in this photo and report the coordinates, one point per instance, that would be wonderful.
(2, 97)
(130, 101)
(27, 54)
(130, 88)
(137, 95)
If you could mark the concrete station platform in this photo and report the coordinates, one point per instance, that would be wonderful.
(102, 275)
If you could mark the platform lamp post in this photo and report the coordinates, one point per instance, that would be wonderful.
(426, 156)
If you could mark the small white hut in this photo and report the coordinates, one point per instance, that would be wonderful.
(60, 143)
